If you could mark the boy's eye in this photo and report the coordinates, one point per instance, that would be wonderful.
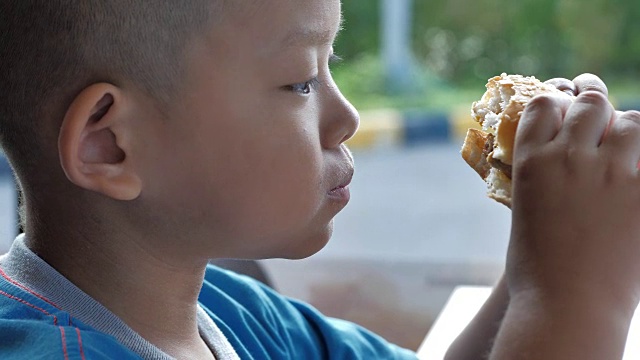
(306, 87)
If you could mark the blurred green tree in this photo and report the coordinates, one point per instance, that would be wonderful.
(362, 19)
(467, 41)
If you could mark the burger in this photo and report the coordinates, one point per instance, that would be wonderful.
(490, 151)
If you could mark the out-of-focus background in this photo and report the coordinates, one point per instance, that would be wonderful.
(419, 223)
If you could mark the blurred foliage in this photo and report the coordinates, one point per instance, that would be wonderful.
(464, 42)
(362, 80)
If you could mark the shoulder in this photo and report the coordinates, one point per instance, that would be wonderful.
(31, 327)
(262, 322)
(29, 339)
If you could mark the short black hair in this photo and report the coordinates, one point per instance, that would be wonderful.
(50, 50)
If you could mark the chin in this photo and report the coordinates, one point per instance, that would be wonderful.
(305, 247)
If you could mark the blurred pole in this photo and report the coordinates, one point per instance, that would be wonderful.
(396, 45)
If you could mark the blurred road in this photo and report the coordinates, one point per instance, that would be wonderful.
(422, 203)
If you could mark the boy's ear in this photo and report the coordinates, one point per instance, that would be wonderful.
(94, 146)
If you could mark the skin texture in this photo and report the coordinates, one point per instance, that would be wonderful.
(571, 259)
(245, 163)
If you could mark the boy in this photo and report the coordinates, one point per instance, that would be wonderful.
(149, 137)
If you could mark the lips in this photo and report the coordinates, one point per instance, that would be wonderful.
(345, 176)
(341, 193)
(342, 176)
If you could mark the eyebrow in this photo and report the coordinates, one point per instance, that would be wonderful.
(312, 36)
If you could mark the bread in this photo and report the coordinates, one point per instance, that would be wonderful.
(490, 151)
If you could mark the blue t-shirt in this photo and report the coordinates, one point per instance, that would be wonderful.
(258, 322)
(261, 324)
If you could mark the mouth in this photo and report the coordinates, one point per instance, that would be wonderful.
(341, 192)
(345, 183)
(343, 177)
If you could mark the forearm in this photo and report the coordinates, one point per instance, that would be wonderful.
(535, 329)
(477, 338)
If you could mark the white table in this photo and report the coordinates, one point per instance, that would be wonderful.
(465, 302)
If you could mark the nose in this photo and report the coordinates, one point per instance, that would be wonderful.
(340, 119)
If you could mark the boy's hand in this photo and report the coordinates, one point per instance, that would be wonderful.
(573, 261)
(576, 208)
(573, 258)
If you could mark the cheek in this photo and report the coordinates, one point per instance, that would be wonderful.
(250, 182)
(273, 185)
(248, 174)
(276, 166)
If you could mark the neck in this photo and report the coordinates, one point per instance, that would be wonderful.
(153, 295)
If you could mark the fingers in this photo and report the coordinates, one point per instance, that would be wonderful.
(579, 121)
(564, 85)
(541, 120)
(582, 83)
(622, 143)
(587, 120)
(590, 82)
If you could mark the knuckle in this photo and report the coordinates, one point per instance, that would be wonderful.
(562, 84)
(542, 101)
(590, 82)
(593, 97)
(625, 127)
(538, 107)
(632, 115)
(587, 76)
(593, 87)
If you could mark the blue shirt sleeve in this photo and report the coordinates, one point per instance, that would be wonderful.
(262, 324)
(31, 338)
(31, 328)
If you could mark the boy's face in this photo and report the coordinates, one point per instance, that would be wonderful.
(252, 161)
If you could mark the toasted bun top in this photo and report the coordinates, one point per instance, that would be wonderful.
(501, 106)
